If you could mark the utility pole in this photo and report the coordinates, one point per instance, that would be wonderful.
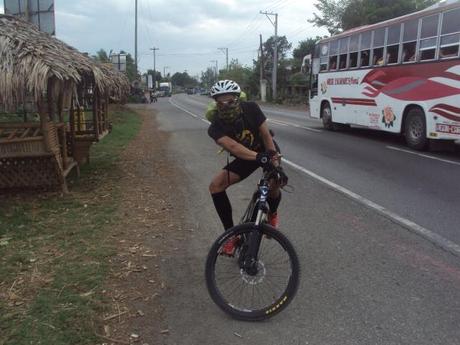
(154, 70)
(275, 51)
(217, 76)
(27, 11)
(135, 37)
(263, 82)
(261, 60)
(225, 51)
(164, 71)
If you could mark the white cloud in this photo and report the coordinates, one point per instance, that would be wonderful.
(2, 10)
(188, 32)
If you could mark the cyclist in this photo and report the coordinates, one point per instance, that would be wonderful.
(241, 128)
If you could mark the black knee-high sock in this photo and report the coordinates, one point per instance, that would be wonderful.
(274, 203)
(223, 208)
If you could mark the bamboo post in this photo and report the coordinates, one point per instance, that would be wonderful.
(72, 125)
(95, 112)
(44, 124)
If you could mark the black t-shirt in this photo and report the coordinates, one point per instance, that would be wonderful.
(245, 130)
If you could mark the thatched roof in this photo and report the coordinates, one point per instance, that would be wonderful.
(29, 57)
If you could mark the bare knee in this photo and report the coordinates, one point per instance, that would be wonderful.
(222, 181)
(217, 185)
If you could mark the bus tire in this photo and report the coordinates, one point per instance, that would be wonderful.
(415, 129)
(326, 117)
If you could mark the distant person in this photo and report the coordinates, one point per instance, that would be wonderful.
(153, 97)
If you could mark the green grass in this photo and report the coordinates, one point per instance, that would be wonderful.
(54, 251)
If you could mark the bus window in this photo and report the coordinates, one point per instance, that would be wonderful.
(408, 54)
(377, 56)
(449, 45)
(343, 50)
(429, 26)
(451, 22)
(394, 34)
(324, 52)
(428, 49)
(333, 55)
(409, 40)
(377, 51)
(354, 42)
(354, 60)
(333, 63)
(428, 38)
(364, 49)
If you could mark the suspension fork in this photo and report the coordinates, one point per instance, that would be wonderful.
(251, 256)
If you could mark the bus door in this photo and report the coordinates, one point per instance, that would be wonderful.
(313, 98)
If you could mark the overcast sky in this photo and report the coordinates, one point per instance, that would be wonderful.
(187, 32)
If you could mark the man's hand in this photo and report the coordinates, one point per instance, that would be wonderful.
(264, 159)
(282, 177)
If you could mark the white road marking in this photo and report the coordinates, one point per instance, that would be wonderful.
(423, 155)
(188, 112)
(282, 123)
(406, 223)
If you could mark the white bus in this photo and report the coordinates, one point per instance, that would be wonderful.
(401, 75)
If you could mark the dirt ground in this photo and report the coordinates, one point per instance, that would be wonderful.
(151, 228)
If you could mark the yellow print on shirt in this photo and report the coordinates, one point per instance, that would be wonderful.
(246, 138)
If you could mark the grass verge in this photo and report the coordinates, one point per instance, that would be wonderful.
(55, 250)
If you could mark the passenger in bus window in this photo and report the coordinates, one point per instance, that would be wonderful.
(448, 52)
(334, 64)
(365, 58)
(408, 53)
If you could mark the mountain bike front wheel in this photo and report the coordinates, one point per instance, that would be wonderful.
(259, 292)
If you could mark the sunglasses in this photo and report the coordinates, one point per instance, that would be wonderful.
(228, 103)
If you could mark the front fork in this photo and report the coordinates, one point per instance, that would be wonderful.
(250, 258)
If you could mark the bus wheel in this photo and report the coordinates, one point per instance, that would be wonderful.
(326, 116)
(415, 129)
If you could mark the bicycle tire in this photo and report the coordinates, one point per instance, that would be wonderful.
(280, 302)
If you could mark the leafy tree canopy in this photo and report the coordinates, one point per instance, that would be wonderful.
(183, 79)
(337, 15)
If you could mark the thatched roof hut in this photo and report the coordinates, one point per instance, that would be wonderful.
(29, 58)
(68, 90)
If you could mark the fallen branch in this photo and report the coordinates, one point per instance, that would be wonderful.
(115, 315)
(112, 340)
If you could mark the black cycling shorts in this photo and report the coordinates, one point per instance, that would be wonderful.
(241, 167)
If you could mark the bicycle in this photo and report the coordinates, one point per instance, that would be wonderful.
(262, 277)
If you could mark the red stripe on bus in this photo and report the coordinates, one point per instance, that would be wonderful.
(355, 101)
(447, 107)
(446, 115)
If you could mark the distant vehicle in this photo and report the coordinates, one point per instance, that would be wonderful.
(165, 89)
(400, 75)
(204, 92)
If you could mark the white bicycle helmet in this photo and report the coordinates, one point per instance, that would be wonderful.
(223, 87)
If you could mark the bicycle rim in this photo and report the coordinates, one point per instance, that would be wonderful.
(253, 296)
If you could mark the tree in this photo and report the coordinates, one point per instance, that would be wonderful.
(304, 48)
(243, 75)
(268, 51)
(331, 15)
(208, 77)
(157, 74)
(184, 80)
(101, 56)
(337, 16)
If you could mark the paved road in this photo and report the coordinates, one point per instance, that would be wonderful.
(366, 279)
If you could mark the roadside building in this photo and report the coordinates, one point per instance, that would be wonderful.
(54, 103)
